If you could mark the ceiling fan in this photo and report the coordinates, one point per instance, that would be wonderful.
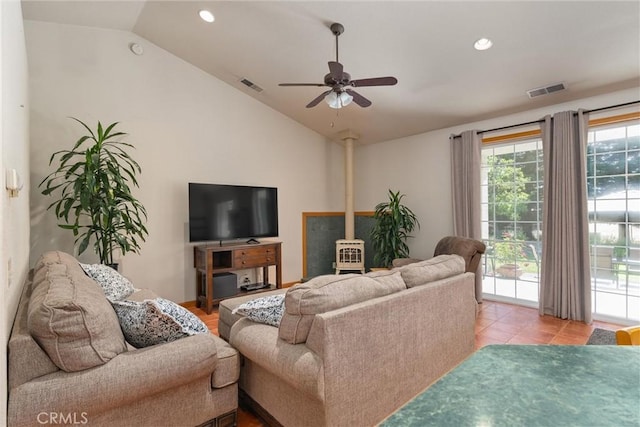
(340, 95)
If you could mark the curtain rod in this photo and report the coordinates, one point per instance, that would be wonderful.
(542, 120)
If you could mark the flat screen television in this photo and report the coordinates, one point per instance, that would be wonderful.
(220, 212)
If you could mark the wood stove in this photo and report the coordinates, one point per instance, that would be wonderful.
(349, 255)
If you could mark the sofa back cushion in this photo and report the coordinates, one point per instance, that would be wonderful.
(70, 317)
(330, 292)
(433, 269)
(26, 359)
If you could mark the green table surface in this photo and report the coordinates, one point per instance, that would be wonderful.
(533, 385)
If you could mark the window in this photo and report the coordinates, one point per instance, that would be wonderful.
(511, 219)
(613, 187)
(512, 175)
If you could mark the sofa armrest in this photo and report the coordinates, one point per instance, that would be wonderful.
(295, 364)
(126, 378)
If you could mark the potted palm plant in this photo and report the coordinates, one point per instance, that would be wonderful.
(94, 181)
(393, 223)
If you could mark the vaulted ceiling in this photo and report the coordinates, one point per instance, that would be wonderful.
(592, 47)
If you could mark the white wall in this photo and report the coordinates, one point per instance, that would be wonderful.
(14, 151)
(189, 126)
(420, 167)
(186, 126)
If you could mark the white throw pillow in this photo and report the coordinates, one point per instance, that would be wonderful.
(156, 321)
(267, 310)
(115, 286)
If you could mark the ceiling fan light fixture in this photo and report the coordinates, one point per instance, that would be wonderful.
(482, 44)
(206, 15)
(336, 101)
(337, 80)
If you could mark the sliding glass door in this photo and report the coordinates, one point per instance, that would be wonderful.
(511, 218)
(613, 186)
(512, 199)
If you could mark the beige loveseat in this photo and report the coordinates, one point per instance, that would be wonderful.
(351, 349)
(80, 370)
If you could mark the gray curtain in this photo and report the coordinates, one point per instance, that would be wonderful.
(565, 283)
(465, 182)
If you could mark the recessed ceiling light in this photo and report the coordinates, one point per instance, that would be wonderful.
(206, 15)
(482, 44)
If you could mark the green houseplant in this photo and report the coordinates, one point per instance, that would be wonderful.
(94, 179)
(393, 223)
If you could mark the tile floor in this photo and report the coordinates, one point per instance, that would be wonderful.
(502, 323)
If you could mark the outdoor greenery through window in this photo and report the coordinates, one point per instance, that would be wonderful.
(613, 187)
(512, 175)
(511, 219)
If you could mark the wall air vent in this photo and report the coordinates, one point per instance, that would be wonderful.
(251, 85)
(556, 87)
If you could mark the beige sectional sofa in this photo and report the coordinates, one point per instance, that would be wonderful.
(351, 349)
(68, 362)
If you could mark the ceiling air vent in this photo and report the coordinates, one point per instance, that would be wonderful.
(251, 84)
(556, 87)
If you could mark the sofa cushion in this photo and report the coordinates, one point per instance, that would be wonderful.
(69, 316)
(400, 262)
(433, 269)
(114, 285)
(53, 257)
(325, 293)
(148, 320)
(25, 358)
(228, 367)
(267, 310)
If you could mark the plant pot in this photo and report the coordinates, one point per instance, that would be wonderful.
(511, 271)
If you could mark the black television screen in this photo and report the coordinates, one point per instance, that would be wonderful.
(228, 212)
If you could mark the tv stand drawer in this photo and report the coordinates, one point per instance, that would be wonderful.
(254, 257)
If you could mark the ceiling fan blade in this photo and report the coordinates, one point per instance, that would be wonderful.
(302, 84)
(336, 70)
(376, 81)
(317, 100)
(359, 99)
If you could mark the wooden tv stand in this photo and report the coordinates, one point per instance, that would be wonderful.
(213, 259)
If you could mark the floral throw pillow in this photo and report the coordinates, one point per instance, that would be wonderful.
(114, 285)
(267, 310)
(156, 321)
